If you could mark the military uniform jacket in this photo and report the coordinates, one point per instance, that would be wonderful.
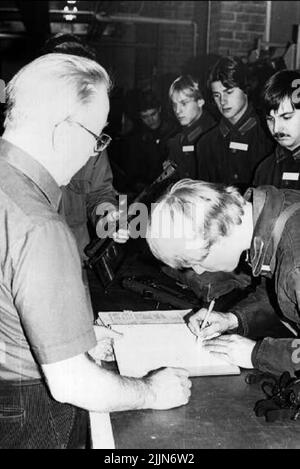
(229, 153)
(145, 152)
(182, 147)
(281, 169)
(258, 313)
(91, 186)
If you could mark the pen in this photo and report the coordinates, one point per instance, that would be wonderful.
(205, 320)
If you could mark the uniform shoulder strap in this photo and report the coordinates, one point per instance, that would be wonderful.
(279, 227)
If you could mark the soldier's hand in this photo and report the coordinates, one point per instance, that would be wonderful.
(217, 323)
(233, 348)
(108, 224)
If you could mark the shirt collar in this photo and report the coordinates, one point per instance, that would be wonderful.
(244, 124)
(31, 168)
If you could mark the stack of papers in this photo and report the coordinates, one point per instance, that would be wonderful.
(155, 339)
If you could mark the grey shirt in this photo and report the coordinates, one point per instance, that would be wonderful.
(44, 314)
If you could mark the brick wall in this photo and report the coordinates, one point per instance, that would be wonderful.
(175, 42)
(235, 26)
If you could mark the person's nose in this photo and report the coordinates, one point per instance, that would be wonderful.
(178, 109)
(223, 99)
(277, 126)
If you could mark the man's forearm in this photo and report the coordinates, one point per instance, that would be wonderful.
(80, 382)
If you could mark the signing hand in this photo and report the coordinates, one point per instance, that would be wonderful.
(233, 348)
(217, 323)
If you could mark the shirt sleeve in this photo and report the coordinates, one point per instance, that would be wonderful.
(256, 315)
(277, 355)
(274, 354)
(101, 187)
(49, 293)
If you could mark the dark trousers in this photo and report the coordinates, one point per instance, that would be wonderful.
(31, 419)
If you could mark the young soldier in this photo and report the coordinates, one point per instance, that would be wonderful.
(145, 146)
(187, 101)
(207, 227)
(231, 151)
(282, 106)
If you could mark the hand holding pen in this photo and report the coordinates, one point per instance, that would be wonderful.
(205, 320)
(206, 317)
(206, 323)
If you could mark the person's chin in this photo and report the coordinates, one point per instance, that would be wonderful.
(285, 142)
(227, 113)
(229, 268)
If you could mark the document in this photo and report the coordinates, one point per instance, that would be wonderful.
(157, 343)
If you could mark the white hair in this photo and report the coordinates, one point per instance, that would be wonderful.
(196, 215)
(52, 85)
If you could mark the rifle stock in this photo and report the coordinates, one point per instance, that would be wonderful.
(105, 255)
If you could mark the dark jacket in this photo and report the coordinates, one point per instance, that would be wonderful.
(182, 147)
(145, 153)
(229, 154)
(281, 169)
(260, 310)
(91, 186)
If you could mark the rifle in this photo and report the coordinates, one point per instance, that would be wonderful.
(153, 290)
(105, 255)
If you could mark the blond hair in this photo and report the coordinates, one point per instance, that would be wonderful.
(208, 211)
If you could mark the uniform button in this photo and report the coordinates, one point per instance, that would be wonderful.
(236, 176)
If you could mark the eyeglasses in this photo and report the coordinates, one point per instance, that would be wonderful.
(102, 140)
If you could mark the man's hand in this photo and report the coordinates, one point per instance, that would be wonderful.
(167, 388)
(104, 348)
(233, 348)
(217, 323)
(109, 223)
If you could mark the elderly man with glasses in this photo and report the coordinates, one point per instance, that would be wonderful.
(48, 380)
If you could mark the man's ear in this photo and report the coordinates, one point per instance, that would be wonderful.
(59, 135)
(200, 102)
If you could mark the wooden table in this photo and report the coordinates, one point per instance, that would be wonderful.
(220, 412)
(219, 415)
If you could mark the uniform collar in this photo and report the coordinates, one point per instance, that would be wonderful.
(282, 153)
(244, 124)
(31, 168)
(267, 203)
(191, 133)
(296, 153)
